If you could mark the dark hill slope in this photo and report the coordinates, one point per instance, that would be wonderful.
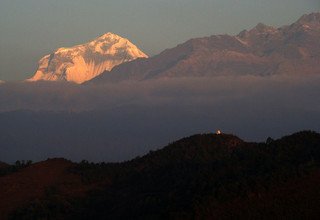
(37, 181)
(3, 165)
(206, 172)
(201, 177)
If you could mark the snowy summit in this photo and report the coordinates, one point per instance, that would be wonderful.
(83, 62)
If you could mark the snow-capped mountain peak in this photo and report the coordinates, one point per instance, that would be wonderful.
(86, 61)
(109, 35)
(310, 18)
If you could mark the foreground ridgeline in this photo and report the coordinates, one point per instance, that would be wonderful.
(261, 51)
(208, 176)
(86, 61)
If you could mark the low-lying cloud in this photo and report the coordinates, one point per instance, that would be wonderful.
(123, 120)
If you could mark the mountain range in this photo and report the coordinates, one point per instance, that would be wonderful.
(261, 51)
(84, 62)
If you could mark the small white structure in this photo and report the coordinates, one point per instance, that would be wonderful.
(218, 132)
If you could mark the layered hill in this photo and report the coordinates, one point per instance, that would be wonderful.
(261, 51)
(86, 61)
(206, 176)
(33, 182)
(3, 165)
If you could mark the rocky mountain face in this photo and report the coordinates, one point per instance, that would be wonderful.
(261, 51)
(84, 62)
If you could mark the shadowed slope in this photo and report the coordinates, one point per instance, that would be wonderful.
(200, 177)
(35, 182)
(3, 165)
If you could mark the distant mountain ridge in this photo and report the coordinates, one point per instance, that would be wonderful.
(261, 51)
(86, 61)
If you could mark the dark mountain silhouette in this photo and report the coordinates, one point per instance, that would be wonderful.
(262, 51)
(3, 165)
(36, 181)
(204, 176)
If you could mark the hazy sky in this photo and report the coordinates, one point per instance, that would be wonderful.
(33, 28)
